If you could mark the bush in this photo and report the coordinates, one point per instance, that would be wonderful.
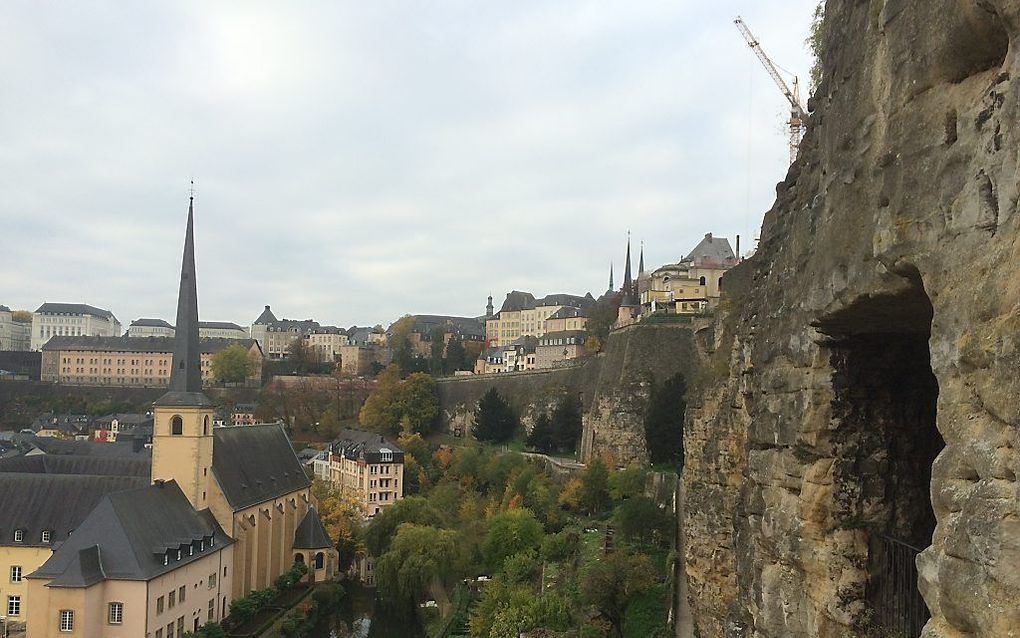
(562, 545)
(329, 596)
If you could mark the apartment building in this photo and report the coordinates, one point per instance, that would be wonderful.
(364, 465)
(522, 315)
(14, 335)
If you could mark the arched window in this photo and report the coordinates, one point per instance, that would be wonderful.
(702, 281)
(176, 426)
(205, 425)
(320, 560)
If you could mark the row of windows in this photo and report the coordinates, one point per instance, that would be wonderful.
(46, 536)
(191, 549)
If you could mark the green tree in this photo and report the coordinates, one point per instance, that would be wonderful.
(419, 402)
(380, 532)
(566, 423)
(418, 557)
(300, 356)
(399, 340)
(437, 348)
(610, 584)
(495, 420)
(595, 487)
(627, 483)
(382, 409)
(541, 436)
(510, 532)
(640, 520)
(816, 43)
(601, 318)
(664, 421)
(232, 364)
(472, 350)
(455, 356)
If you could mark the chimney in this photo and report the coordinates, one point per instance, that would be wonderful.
(708, 236)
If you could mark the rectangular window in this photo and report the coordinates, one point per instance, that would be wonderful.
(46, 536)
(15, 573)
(180, 627)
(14, 605)
(159, 605)
(171, 600)
(170, 630)
(181, 592)
(19, 535)
(66, 620)
(212, 580)
(116, 615)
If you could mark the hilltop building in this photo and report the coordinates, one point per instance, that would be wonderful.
(72, 320)
(692, 285)
(522, 315)
(367, 467)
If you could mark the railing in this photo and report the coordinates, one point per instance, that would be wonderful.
(899, 608)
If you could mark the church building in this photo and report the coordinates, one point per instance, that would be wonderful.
(228, 510)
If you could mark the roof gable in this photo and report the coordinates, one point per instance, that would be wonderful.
(311, 534)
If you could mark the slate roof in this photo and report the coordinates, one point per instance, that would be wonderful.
(151, 323)
(463, 326)
(562, 299)
(219, 325)
(310, 534)
(255, 463)
(50, 445)
(579, 337)
(328, 330)
(34, 502)
(74, 309)
(81, 465)
(569, 312)
(128, 533)
(362, 444)
(517, 300)
(161, 345)
(124, 418)
(712, 249)
(267, 317)
(4, 308)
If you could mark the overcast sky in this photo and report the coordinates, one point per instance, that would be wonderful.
(355, 161)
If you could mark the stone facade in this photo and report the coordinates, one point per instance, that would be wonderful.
(860, 392)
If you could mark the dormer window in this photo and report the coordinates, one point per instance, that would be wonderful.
(201, 545)
(47, 536)
(19, 536)
(191, 549)
(178, 554)
(166, 558)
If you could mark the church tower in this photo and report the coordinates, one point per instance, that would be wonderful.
(182, 438)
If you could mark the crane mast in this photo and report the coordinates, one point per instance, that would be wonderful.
(797, 114)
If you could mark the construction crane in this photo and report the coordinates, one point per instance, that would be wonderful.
(797, 113)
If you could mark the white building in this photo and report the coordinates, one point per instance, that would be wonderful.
(14, 335)
(206, 329)
(71, 319)
(150, 328)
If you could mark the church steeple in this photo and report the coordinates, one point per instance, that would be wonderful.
(186, 374)
(641, 262)
(611, 277)
(628, 281)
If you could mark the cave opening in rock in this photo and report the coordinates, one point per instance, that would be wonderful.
(885, 441)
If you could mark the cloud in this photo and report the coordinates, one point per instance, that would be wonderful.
(358, 161)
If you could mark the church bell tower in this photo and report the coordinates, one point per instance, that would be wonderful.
(182, 437)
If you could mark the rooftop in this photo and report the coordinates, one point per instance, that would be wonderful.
(50, 308)
(255, 463)
(161, 345)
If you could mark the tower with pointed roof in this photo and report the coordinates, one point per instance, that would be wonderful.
(611, 286)
(182, 437)
(628, 294)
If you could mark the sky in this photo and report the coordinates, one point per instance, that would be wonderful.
(357, 161)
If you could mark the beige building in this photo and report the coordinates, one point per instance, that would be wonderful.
(71, 320)
(276, 335)
(127, 361)
(567, 318)
(367, 467)
(692, 285)
(556, 348)
(14, 335)
(150, 328)
(325, 343)
(521, 315)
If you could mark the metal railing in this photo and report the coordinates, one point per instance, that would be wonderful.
(899, 608)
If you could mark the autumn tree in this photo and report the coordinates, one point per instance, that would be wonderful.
(232, 364)
(601, 318)
(341, 515)
(382, 411)
(413, 401)
(495, 420)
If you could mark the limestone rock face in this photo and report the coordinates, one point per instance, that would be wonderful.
(865, 399)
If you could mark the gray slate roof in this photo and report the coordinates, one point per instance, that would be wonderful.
(136, 466)
(51, 445)
(569, 312)
(463, 326)
(161, 345)
(561, 299)
(255, 463)
(220, 325)
(362, 444)
(711, 248)
(127, 534)
(151, 323)
(310, 534)
(267, 317)
(74, 309)
(517, 300)
(4, 308)
(34, 502)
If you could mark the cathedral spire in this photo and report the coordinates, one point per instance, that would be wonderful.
(628, 282)
(641, 262)
(611, 276)
(186, 373)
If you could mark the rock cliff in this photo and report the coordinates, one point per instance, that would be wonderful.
(861, 400)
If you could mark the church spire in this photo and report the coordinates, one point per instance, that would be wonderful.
(186, 373)
(628, 282)
(611, 276)
(641, 262)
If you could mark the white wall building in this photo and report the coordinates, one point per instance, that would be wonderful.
(14, 335)
(71, 319)
(150, 328)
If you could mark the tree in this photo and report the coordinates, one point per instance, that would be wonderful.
(509, 533)
(21, 316)
(455, 356)
(418, 557)
(437, 348)
(542, 436)
(611, 583)
(601, 318)
(382, 410)
(472, 350)
(664, 421)
(232, 364)
(341, 515)
(816, 42)
(300, 355)
(566, 423)
(594, 495)
(627, 483)
(419, 402)
(381, 530)
(640, 520)
(495, 420)
(399, 341)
